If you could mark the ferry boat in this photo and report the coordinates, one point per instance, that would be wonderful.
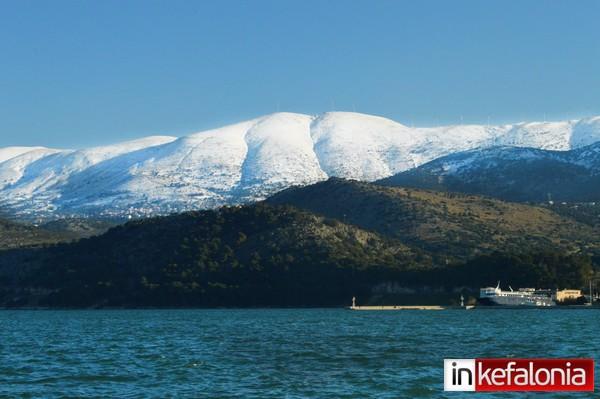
(522, 297)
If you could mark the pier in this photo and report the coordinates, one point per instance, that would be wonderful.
(400, 307)
(354, 306)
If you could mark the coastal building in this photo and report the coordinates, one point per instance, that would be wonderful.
(566, 295)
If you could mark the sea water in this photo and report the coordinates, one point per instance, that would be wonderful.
(272, 353)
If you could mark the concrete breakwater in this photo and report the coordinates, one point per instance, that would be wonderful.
(399, 307)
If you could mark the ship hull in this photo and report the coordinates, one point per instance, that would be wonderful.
(517, 301)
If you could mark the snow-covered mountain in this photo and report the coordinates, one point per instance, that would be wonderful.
(246, 161)
(512, 173)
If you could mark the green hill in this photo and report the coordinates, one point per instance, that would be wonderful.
(256, 255)
(446, 225)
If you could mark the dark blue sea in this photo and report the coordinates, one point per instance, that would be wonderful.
(292, 353)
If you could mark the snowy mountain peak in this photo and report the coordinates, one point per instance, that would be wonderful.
(247, 161)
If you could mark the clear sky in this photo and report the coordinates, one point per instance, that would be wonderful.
(80, 73)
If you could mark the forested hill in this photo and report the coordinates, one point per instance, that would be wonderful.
(457, 226)
(255, 255)
(350, 239)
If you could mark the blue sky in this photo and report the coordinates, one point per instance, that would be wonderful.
(80, 73)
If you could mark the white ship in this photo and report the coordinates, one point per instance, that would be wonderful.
(521, 297)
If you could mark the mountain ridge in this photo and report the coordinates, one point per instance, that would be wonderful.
(246, 161)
